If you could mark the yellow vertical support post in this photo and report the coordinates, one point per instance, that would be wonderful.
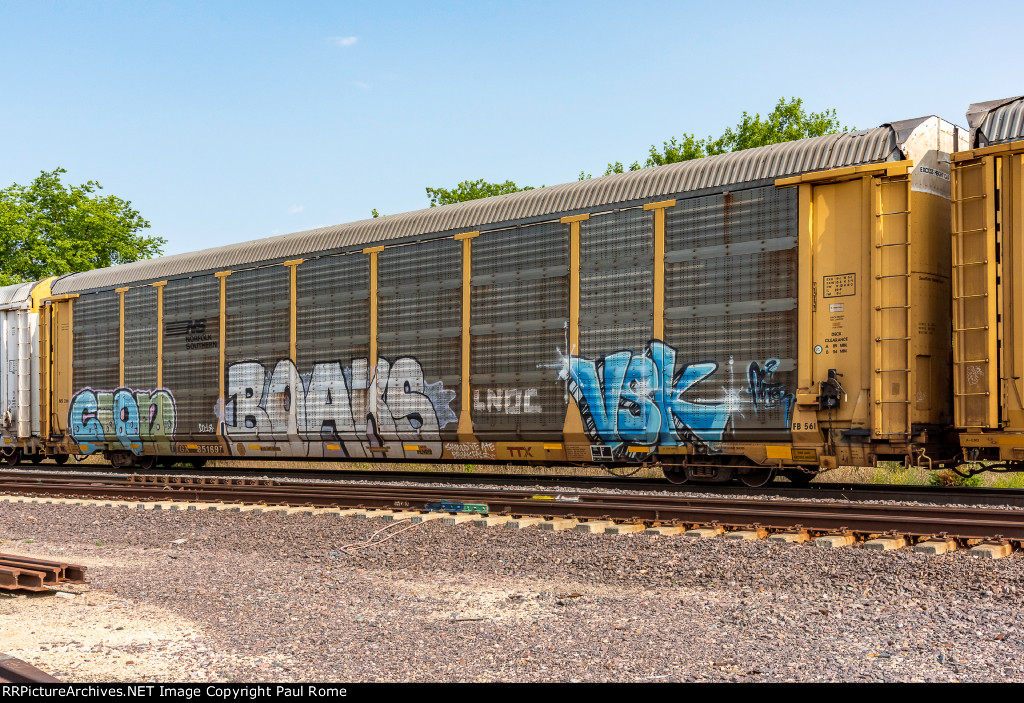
(574, 280)
(807, 290)
(222, 338)
(659, 265)
(573, 429)
(120, 341)
(159, 285)
(292, 309)
(465, 428)
(373, 251)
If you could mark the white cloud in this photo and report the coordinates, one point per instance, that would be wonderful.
(296, 209)
(361, 85)
(344, 42)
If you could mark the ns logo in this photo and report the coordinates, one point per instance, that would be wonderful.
(184, 327)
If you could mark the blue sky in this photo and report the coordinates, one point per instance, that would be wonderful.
(229, 121)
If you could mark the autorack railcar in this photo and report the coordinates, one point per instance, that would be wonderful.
(988, 285)
(779, 309)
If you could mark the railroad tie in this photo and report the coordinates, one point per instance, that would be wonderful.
(935, 546)
(665, 530)
(703, 532)
(520, 523)
(594, 526)
(625, 528)
(886, 543)
(559, 524)
(490, 520)
(834, 541)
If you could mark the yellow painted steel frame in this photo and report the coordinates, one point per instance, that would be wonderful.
(573, 429)
(159, 285)
(373, 251)
(659, 264)
(120, 336)
(465, 427)
(222, 338)
(292, 309)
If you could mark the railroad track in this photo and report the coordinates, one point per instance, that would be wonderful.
(758, 514)
(13, 670)
(1012, 497)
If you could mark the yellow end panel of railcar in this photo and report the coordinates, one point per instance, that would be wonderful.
(1011, 290)
(873, 303)
(840, 296)
(61, 373)
(975, 312)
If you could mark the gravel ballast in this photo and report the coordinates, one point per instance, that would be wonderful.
(223, 596)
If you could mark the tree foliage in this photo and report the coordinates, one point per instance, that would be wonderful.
(471, 190)
(787, 122)
(49, 229)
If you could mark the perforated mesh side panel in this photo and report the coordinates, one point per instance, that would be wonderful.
(419, 313)
(258, 315)
(519, 311)
(333, 310)
(730, 298)
(191, 353)
(616, 282)
(140, 338)
(96, 345)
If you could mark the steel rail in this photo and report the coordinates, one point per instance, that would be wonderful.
(826, 491)
(921, 521)
(13, 670)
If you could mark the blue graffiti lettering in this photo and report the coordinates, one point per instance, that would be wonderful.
(644, 399)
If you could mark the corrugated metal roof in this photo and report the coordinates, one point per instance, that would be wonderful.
(775, 161)
(16, 293)
(996, 121)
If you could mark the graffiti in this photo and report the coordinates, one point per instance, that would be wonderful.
(124, 417)
(639, 398)
(510, 401)
(764, 392)
(650, 399)
(349, 406)
(469, 450)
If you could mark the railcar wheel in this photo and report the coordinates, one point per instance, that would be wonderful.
(758, 477)
(60, 459)
(11, 456)
(145, 463)
(122, 460)
(799, 476)
(675, 474)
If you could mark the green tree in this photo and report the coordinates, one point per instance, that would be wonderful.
(471, 190)
(788, 121)
(49, 229)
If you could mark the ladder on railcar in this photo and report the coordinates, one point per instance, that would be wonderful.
(892, 352)
(975, 315)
